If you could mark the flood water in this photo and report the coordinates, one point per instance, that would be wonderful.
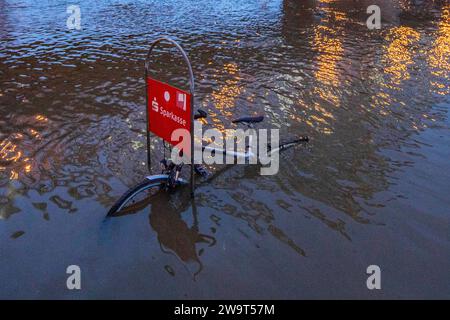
(370, 189)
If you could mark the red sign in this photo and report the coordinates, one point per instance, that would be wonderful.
(169, 108)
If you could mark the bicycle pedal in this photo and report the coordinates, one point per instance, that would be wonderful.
(201, 170)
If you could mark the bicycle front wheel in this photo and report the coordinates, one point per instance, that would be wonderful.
(138, 196)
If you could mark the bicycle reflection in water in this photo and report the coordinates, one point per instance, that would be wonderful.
(174, 234)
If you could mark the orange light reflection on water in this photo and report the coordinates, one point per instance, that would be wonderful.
(328, 44)
(439, 58)
(398, 57)
(224, 98)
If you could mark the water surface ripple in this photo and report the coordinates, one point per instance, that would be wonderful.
(372, 187)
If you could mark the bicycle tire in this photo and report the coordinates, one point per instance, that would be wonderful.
(147, 183)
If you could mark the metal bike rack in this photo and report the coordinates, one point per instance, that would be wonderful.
(191, 91)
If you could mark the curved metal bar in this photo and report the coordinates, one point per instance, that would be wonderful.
(183, 53)
(191, 89)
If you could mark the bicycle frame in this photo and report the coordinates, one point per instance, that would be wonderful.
(247, 155)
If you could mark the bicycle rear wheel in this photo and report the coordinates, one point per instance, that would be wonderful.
(135, 198)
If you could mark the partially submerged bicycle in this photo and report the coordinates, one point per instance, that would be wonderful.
(170, 178)
(160, 95)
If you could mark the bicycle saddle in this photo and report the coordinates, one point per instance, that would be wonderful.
(249, 119)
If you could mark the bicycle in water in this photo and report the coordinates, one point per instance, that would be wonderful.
(170, 177)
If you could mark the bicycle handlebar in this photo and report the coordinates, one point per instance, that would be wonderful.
(200, 114)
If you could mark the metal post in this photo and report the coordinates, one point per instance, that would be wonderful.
(192, 145)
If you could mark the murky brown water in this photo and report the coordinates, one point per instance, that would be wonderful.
(372, 188)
